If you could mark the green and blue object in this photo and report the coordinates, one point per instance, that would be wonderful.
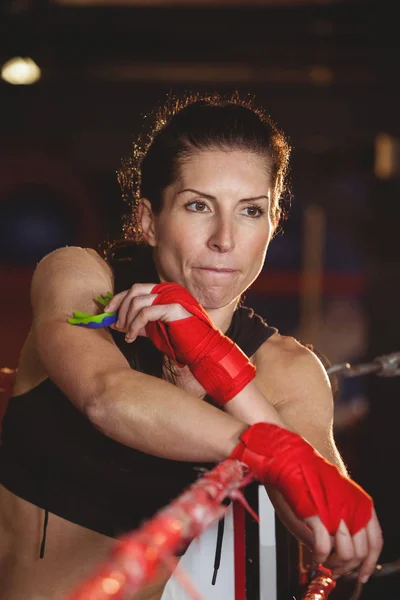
(104, 319)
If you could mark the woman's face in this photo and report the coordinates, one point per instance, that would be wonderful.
(215, 226)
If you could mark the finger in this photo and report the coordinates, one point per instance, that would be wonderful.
(375, 544)
(340, 562)
(135, 291)
(322, 544)
(344, 545)
(132, 325)
(140, 289)
(166, 313)
(115, 302)
(156, 312)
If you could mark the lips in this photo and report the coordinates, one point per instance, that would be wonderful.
(218, 269)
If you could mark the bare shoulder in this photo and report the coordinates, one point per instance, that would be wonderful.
(69, 278)
(287, 369)
(286, 351)
(72, 255)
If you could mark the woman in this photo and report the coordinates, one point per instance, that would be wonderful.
(103, 429)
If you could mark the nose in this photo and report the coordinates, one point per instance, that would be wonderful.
(222, 236)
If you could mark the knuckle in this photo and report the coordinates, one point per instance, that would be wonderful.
(145, 312)
(135, 303)
(360, 554)
(322, 549)
(135, 287)
(346, 554)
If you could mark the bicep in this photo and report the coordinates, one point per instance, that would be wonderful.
(66, 280)
(75, 358)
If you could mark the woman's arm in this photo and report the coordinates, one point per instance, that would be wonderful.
(133, 408)
(275, 454)
(293, 380)
(295, 383)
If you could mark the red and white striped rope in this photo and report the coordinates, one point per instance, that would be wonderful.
(321, 585)
(136, 556)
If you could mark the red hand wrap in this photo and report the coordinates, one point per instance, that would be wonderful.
(215, 361)
(311, 484)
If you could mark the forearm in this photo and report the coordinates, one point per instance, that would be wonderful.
(158, 418)
(251, 406)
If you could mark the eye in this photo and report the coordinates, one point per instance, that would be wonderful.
(198, 206)
(254, 211)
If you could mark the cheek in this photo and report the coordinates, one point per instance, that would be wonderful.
(255, 253)
(258, 242)
(178, 246)
(180, 236)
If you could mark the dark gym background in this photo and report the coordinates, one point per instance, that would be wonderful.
(327, 72)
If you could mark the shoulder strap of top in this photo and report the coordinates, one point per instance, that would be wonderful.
(248, 330)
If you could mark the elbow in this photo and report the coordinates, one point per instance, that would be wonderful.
(98, 402)
(94, 411)
(103, 405)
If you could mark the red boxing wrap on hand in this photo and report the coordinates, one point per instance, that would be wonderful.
(311, 484)
(215, 361)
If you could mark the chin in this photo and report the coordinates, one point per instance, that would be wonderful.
(214, 300)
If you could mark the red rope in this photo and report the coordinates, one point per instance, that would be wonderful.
(321, 585)
(136, 556)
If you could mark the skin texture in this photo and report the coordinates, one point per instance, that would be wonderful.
(196, 231)
(291, 388)
(212, 226)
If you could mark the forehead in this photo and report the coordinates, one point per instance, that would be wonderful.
(240, 169)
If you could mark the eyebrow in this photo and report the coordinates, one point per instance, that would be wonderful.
(209, 197)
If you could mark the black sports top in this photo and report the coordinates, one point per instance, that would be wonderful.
(52, 456)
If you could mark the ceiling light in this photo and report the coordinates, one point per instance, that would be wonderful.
(20, 71)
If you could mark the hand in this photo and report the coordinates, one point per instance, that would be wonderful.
(215, 361)
(135, 309)
(343, 552)
(338, 511)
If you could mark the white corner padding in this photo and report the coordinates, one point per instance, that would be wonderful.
(198, 560)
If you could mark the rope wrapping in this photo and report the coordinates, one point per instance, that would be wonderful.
(321, 585)
(136, 556)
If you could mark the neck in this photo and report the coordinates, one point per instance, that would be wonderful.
(222, 317)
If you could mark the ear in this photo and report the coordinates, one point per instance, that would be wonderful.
(147, 222)
(276, 220)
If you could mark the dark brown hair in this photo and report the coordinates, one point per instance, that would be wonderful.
(181, 127)
(170, 135)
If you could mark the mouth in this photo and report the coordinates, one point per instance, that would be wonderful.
(221, 270)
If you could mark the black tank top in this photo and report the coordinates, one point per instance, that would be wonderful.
(52, 456)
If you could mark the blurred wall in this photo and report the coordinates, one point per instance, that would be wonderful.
(327, 75)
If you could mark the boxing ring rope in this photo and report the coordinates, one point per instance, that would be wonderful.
(385, 365)
(134, 560)
(136, 556)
